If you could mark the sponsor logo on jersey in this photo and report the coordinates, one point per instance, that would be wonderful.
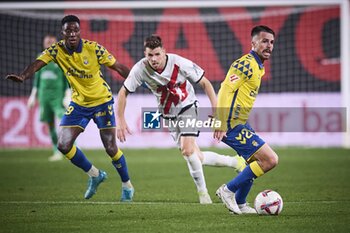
(254, 143)
(85, 60)
(233, 78)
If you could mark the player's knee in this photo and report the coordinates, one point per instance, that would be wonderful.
(273, 160)
(111, 149)
(269, 161)
(64, 143)
(187, 150)
(63, 147)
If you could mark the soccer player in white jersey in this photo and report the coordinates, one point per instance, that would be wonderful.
(169, 77)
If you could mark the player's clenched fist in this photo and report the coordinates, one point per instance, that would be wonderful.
(15, 78)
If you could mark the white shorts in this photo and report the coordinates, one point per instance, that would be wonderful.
(184, 124)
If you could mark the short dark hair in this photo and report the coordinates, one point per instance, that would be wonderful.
(152, 42)
(69, 19)
(261, 28)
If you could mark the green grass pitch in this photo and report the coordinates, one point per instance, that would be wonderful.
(39, 196)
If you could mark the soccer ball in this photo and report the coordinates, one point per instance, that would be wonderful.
(268, 202)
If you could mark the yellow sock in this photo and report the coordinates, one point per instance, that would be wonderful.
(117, 156)
(71, 153)
(256, 169)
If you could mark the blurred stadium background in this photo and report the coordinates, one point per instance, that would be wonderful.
(309, 69)
(304, 101)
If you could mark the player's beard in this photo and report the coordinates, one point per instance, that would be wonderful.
(266, 53)
(155, 66)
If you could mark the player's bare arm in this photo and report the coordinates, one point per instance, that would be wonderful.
(122, 127)
(27, 73)
(209, 91)
(121, 69)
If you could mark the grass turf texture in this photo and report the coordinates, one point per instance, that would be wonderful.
(41, 196)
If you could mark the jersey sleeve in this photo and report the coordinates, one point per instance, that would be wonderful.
(103, 56)
(239, 72)
(191, 70)
(134, 80)
(46, 56)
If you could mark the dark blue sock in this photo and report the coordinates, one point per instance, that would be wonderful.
(245, 175)
(242, 193)
(122, 169)
(81, 161)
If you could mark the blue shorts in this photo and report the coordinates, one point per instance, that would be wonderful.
(243, 140)
(76, 115)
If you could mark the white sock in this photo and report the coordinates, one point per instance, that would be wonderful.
(214, 159)
(226, 189)
(196, 170)
(93, 172)
(127, 184)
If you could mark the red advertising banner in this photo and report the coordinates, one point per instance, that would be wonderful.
(281, 119)
(20, 127)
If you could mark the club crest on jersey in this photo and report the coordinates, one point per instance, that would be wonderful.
(85, 60)
(233, 78)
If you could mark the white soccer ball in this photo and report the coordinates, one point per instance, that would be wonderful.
(268, 202)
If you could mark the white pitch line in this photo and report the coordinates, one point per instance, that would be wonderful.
(145, 203)
(93, 202)
(98, 203)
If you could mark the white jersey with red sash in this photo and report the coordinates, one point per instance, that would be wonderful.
(172, 86)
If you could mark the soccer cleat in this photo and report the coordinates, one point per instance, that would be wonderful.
(204, 198)
(93, 183)
(246, 209)
(56, 156)
(127, 194)
(228, 198)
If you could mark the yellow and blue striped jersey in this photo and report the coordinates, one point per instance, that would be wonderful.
(82, 68)
(238, 91)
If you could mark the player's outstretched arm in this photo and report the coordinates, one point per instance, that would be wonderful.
(122, 126)
(15, 78)
(121, 69)
(27, 72)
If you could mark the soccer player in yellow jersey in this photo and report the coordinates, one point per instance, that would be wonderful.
(92, 98)
(235, 101)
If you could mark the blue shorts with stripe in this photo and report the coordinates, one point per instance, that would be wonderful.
(244, 140)
(76, 115)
